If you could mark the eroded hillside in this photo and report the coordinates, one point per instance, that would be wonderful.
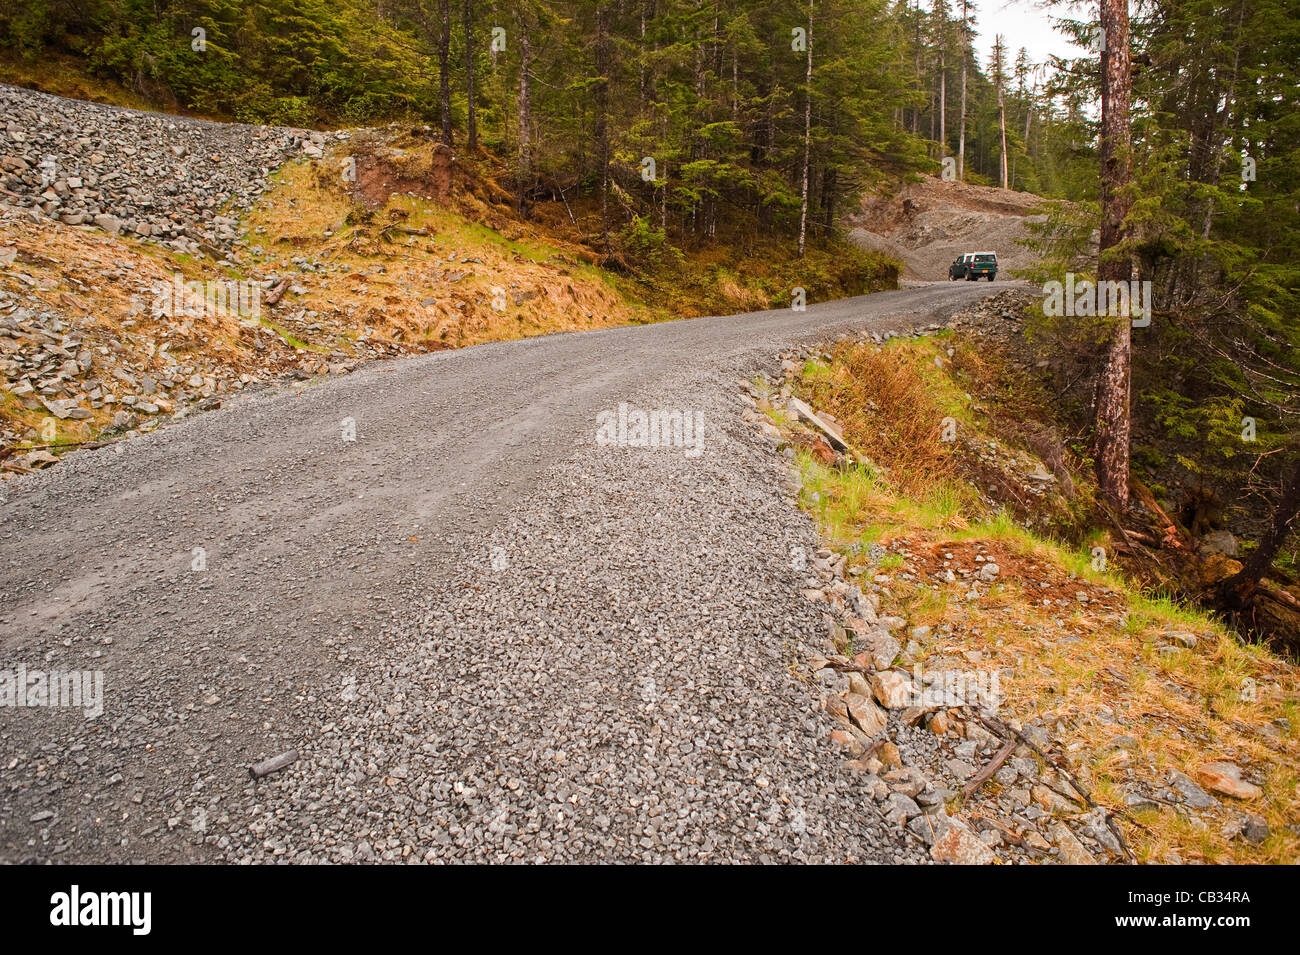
(928, 224)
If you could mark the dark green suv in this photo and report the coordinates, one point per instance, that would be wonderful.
(973, 266)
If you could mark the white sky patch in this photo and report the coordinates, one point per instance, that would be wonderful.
(1026, 23)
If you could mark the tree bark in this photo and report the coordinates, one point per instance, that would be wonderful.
(829, 185)
(1002, 110)
(1111, 447)
(525, 165)
(807, 135)
(943, 104)
(602, 114)
(965, 56)
(1228, 106)
(467, 16)
(916, 67)
(444, 68)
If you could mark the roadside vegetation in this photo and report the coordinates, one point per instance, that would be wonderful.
(1132, 684)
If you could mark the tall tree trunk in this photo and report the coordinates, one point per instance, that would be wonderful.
(829, 182)
(525, 171)
(735, 82)
(807, 136)
(467, 17)
(1002, 111)
(916, 67)
(602, 114)
(1111, 448)
(642, 63)
(943, 104)
(444, 68)
(1228, 106)
(933, 119)
(965, 57)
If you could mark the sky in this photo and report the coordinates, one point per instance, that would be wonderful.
(1024, 23)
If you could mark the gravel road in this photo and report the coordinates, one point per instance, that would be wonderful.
(488, 636)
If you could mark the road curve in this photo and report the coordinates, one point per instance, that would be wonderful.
(487, 636)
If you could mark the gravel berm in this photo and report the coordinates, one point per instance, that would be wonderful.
(489, 637)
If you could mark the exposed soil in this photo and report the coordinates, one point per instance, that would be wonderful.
(379, 178)
(930, 223)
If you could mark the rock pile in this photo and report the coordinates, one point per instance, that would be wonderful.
(102, 362)
(84, 352)
(179, 181)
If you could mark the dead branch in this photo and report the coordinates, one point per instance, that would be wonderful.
(980, 778)
(1004, 730)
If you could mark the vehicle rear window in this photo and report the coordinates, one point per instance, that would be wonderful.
(986, 258)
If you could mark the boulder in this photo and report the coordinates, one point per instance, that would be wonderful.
(1072, 850)
(1225, 778)
(960, 846)
(869, 718)
(1218, 542)
(893, 690)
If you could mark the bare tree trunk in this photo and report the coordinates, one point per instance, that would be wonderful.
(1111, 447)
(916, 67)
(735, 82)
(525, 114)
(830, 179)
(965, 56)
(602, 114)
(1228, 105)
(641, 71)
(444, 68)
(1002, 110)
(467, 17)
(933, 119)
(807, 136)
(943, 104)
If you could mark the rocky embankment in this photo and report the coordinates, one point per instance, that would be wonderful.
(177, 180)
(104, 212)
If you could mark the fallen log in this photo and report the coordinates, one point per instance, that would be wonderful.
(273, 297)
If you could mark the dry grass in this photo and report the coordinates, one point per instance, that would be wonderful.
(887, 398)
(415, 272)
(65, 75)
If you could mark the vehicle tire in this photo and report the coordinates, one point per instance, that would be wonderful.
(991, 278)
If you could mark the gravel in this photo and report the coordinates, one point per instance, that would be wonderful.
(487, 636)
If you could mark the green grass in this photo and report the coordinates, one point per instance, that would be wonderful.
(290, 339)
(814, 370)
(1148, 610)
